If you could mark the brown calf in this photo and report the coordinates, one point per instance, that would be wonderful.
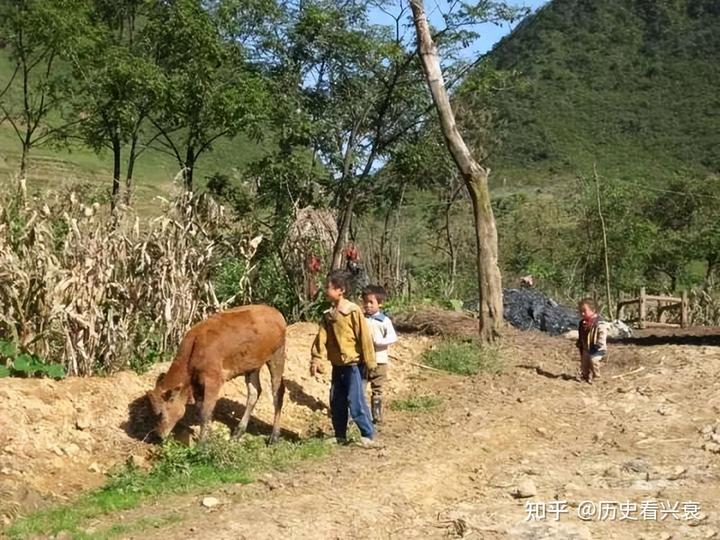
(228, 344)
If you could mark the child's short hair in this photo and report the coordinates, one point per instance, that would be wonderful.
(340, 280)
(589, 302)
(377, 291)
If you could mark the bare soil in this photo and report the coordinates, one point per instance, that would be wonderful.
(645, 433)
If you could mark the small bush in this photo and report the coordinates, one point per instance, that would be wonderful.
(18, 364)
(416, 403)
(463, 357)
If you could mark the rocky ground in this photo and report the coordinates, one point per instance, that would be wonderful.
(636, 454)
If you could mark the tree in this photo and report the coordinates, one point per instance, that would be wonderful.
(211, 90)
(120, 86)
(37, 33)
(473, 174)
(354, 93)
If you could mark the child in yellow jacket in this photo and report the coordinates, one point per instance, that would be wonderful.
(344, 339)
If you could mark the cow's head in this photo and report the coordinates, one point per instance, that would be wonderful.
(168, 404)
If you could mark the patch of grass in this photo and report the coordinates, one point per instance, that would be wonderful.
(463, 357)
(177, 469)
(416, 403)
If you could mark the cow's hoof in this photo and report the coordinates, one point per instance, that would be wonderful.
(272, 439)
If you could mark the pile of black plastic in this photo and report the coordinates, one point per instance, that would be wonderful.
(529, 308)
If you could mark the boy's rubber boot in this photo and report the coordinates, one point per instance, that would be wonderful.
(377, 409)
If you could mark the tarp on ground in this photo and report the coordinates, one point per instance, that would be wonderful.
(529, 308)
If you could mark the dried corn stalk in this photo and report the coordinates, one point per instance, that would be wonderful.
(80, 287)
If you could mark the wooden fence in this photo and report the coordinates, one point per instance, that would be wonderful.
(664, 303)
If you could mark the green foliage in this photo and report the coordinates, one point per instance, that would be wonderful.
(601, 85)
(463, 357)
(177, 469)
(142, 362)
(19, 364)
(211, 90)
(416, 403)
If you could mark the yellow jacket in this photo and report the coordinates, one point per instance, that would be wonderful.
(344, 337)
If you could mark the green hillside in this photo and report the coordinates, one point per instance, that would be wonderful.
(631, 84)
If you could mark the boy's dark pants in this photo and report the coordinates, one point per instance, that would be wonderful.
(346, 391)
(377, 380)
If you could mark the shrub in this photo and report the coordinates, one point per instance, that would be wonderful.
(26, 365)
(463, 357)
(416, 403)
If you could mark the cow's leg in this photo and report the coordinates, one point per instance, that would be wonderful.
(211, 393)
(276, 365)
(252, 380)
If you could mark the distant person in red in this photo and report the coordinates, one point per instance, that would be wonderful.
(351, 252)
(313, 265)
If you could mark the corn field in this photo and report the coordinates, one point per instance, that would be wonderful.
(90, 290)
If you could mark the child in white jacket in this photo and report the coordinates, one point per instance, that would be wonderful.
(383, 334)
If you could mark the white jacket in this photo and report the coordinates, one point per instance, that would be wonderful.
(383, 334)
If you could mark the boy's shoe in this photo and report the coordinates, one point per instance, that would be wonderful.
(366, 442)
(336, 441)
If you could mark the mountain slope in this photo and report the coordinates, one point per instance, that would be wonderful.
(629, 84)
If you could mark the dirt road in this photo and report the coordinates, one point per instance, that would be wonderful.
(637, 448)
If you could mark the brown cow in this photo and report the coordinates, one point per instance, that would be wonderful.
(230, 343)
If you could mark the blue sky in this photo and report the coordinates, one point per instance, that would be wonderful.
(489, 33)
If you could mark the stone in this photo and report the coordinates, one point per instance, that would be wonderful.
(525, 489)
(637, 465)
(138, 461)
(210, 502)
(712, 447)
(612, 472)
(94, 468)
(83, 422)
(71, 449)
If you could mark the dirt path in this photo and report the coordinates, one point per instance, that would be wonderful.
(634, 437)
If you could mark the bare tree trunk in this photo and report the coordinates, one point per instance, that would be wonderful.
(189, 168)
(117, 156)
(342, 233)
(132, 157)
(605, 245)
(476, 180)
(22, 181)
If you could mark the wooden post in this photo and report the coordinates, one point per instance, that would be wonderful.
(643, 308)
(684, 310)
(620, 306)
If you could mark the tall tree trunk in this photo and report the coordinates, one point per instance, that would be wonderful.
(189, 168)
(117, 156)
(22, 181)
(343, 229)
(132, 157)
(475, 178)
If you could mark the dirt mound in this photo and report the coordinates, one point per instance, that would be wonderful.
(58, 437)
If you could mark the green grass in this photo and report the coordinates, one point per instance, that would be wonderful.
(178, 469)
(416, 403)
(463, 357)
